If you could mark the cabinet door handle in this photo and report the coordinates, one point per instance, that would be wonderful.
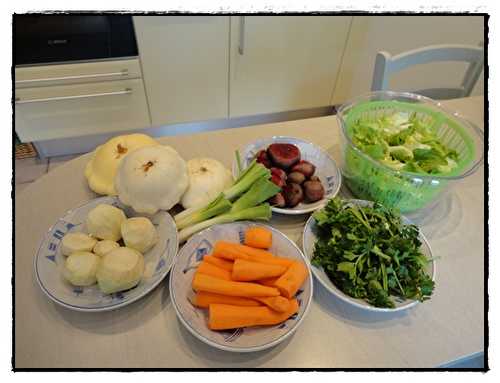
(123, 72)
(125, 91)
(241, 46)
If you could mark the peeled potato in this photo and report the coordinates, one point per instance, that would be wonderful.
(101, 248)
(73, 242)
(119, 270)
(139, 233)
(80, 268)
(104, 222)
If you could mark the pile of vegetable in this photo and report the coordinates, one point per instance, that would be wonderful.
(98, 257)
(295, 176)
(369, 254)
(243, 200)
(404, 142)
(246, 285)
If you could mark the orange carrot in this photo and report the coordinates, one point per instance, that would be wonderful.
(203, 299)
(272, 261)
(214, 271)
(258, 237)
(244, 270)
(219, 262)
(268, 281)
(292, 279)
(224, 249)
(223, 317)
(279, 304)
(203, 282)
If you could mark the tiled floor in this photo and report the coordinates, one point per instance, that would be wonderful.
(30, 169)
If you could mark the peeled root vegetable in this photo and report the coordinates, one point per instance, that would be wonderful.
(74, 242)
(139, 233)
(258, 237)
(224, 317)
(289, 283)
(104, 222)
(120, 269)
(202, 282)
(80, 268)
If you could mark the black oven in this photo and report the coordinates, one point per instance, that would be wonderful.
(56, 38)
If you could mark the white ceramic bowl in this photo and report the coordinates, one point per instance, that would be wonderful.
(309, 239)
(326, 169)
(246, 339)
(49, 260)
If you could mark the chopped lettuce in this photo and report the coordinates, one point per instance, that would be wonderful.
(401, 141)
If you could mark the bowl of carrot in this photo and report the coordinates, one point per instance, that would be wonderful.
(241, 287)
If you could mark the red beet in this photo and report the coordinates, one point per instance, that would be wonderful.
(293, 194)
(262, 158)
(304, 167)
(283, 156)
(313, 190)
(296, 177)
(279, 172)
(278, 200)
(277, 180)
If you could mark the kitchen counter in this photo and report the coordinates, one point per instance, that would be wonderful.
(147, 334)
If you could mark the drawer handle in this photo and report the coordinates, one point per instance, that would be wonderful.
(125, 91)
(123, 72)
(241, 45)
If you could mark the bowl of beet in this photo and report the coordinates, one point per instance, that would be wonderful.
(307, 175)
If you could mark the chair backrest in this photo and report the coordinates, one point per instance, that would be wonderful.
(386, 65)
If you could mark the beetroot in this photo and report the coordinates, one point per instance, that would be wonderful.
(304, 167)
(296, 177)
(283, 156)
(313, 190)
(277, 200)
(279, 172)
(293, 194)
(262, 158)
(277, 180)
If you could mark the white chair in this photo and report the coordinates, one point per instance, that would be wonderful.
(386, 65)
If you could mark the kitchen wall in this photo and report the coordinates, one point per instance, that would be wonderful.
(396, 34)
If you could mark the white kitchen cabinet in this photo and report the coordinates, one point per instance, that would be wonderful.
(185, 64)
(283, 63)
(65, 111)
(397, 34)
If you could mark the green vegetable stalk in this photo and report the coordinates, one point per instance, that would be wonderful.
(218, 206)
(260, 212)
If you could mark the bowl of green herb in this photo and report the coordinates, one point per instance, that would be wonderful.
(369, 256)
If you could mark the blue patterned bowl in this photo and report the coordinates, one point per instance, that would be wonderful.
(326, 169)
(49, 261)
(246, 339)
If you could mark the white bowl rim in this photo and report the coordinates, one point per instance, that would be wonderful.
(254, 348)
(320, 204)
(354, 301)
(111, 306)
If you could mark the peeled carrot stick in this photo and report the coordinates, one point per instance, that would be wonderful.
(244, 270)
(272, 261)
(219, 262)
(203, 282)
(203, 299)
(258, 237)
(279, 304)
(292, 279)
(222, 247)
(214, 271)
(268, 281)
(223, 317)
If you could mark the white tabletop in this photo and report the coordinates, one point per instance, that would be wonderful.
(333, 335)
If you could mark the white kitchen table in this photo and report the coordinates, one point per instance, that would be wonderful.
(147, 334)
